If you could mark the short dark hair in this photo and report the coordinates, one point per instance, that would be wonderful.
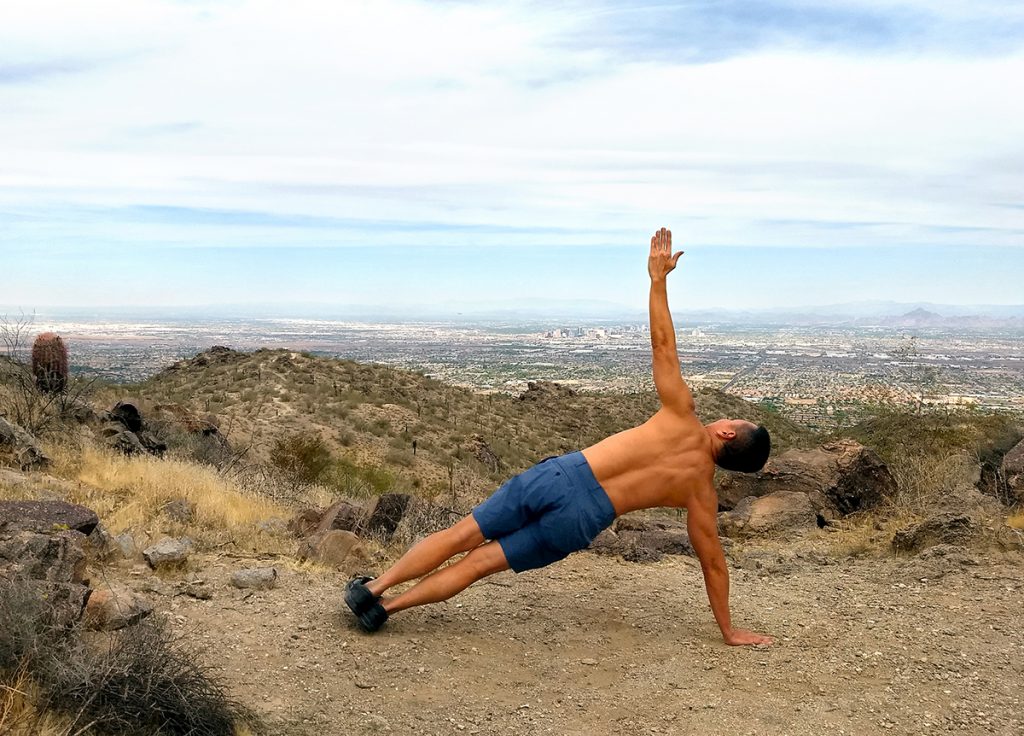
(747, 452)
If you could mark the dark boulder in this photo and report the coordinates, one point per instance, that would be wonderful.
(305, 522)
(341, 515)
(46, 517)
(128, 415)
(386, 514)
(478, 448)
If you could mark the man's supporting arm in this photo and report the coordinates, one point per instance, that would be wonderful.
(668, 379)
(702, 525)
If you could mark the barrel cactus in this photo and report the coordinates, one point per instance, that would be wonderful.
(50, 363)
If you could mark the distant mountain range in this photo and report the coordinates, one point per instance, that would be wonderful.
(881, 313)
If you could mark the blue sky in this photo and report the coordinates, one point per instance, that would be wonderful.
(410, 152)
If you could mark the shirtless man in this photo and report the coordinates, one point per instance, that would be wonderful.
(558, 506)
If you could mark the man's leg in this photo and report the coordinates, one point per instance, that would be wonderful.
(430, 554)
(440, 586)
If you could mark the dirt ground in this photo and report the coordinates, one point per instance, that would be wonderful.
(595, 645)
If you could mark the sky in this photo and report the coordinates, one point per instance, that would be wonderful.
(403, 152)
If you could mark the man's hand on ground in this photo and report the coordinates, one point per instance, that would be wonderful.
(742, 637)
(662, 261)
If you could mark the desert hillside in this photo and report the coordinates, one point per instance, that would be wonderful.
(172, 555)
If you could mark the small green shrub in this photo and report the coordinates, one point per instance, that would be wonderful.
(303, 456)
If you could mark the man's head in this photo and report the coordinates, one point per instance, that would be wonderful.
(744, 445)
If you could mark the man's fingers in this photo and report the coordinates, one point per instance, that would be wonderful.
(675, 258)
(668, 240)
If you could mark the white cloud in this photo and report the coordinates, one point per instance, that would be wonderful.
(468, 114)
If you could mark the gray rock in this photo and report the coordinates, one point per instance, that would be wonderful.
(256, 578)
(19, 448)
(1012, 471)
(55, 558)
(644, 539)
(115, 607)
(168, 553)
(46, 516)
(180, 510)
(943, 528)
(335, 548)
(125, 544)
(197, 589)
(781, 513)
(64, 602)
(126, 442)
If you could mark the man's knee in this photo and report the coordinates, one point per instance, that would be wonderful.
(464, 535)
(486, 560)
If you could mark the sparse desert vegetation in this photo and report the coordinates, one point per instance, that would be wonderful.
(270, 458)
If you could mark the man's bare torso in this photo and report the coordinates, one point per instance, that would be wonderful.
(663, 462)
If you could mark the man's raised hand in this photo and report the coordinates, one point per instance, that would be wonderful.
(662, 261)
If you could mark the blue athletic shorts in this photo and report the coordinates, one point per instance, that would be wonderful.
(546, 513)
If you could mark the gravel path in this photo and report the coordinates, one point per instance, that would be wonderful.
(594, 645)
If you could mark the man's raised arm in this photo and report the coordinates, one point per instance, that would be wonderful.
(668, 379)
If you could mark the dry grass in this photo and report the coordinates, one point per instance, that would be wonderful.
(131, 493)
(18, 713)
(1016, 521)
(924, 481)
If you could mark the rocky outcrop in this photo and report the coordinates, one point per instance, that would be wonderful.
(217, 355)
(644, 539)
(20, 449)
(41, 549)
(545, 391)
(46, 517)
(478, 448)
(1012, 472)
(124, 430)
(782, 513)
(838, 478)
(53, 557)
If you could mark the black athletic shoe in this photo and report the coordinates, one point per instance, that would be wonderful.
(357, 596)
(373, 618)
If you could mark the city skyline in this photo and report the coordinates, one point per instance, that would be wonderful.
(410, 152)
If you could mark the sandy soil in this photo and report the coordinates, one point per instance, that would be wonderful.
(595, 645)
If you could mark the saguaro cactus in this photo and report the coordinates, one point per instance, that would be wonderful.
(50, 363)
